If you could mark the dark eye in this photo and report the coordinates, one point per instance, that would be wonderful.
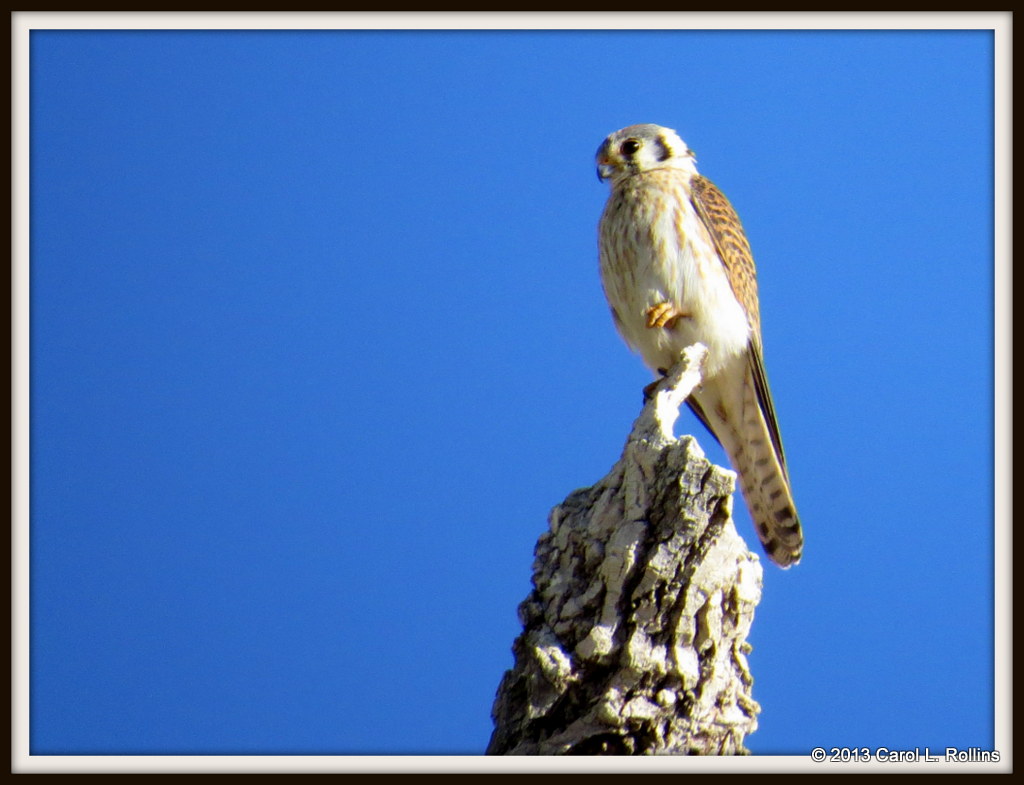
(629, 147)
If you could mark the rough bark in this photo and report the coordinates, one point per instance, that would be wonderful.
(634, 637)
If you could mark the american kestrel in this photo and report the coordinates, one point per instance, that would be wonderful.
(677, 269)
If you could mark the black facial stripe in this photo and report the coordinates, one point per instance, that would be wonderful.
(664, 152)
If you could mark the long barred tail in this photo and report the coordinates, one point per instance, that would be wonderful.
(770, 502)
(765, 485)
(739, 423)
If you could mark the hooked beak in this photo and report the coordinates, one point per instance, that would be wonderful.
(604, 167)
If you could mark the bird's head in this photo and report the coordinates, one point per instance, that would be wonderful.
(641, 148)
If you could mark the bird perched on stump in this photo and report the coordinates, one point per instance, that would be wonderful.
(677, 269)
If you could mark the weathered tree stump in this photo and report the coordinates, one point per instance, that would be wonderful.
(634, 637)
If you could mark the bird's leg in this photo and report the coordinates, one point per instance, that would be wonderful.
(650, 388)
(664, 315)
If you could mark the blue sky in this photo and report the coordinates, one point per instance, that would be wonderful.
(317, 340)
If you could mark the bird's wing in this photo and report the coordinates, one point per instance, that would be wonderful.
(764, 399)
(730, 241)
(726, 231)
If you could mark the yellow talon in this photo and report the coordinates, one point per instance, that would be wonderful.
(664, 315)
